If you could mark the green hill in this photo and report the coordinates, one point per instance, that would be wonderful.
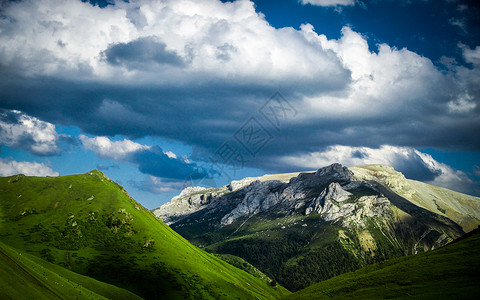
(88, 224)
(450, 272)
(26, 276)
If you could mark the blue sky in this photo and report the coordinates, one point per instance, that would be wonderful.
(160, 95)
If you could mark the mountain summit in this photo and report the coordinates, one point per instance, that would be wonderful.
(300, 228)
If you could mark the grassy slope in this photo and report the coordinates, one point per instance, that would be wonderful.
(450, 272)
(40, 279)
(89, 224)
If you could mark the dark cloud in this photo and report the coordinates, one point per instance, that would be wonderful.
(156, 163)
(414, 167)
(101, 3)
(358, 154)
(140, 53)
(206, 116)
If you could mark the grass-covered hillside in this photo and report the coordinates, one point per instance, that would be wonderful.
(24, 276)
(451, 272)
(89, 225)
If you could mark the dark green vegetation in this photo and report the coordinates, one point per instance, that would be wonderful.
(89, 225)
(296, 251)
(451, 272)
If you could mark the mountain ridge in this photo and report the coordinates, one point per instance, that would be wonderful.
(375, 174)
(362, 214)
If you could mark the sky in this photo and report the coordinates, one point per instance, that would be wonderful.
(161, 95)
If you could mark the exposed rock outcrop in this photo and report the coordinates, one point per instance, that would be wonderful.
(338, 194)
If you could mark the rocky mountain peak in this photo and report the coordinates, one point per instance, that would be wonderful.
(335, 172)
(188, 191)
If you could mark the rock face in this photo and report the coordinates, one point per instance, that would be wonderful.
(334, 192)
(190, 200)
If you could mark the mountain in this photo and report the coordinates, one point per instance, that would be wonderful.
(88, 224)
(450, 272)
(302, 228)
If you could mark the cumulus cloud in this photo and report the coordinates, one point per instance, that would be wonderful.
(108, 149)
(77, 39)
(12, 167)
(195, 71)
(329, 2)
(150, 160)
(18, 130)
(411, 162)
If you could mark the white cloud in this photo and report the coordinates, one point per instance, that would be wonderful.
(471, 55)
(19, 130)
(171, 154)
(12, 167)
(389, 80)
(216, 40)
(329, 2)
(116, 150)
(413, 163)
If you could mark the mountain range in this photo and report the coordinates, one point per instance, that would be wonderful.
(302, 228)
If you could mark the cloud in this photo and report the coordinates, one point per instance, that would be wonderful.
(159, 164)
(141, 53)
(411, 162)
(157, 185)
(476, 170)
(12, 167)
(77, 64)
(149, 159)
(471, 56)
(77, 39)
(329, 2)
(460, 23)
(20, 131)
(115, 150)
